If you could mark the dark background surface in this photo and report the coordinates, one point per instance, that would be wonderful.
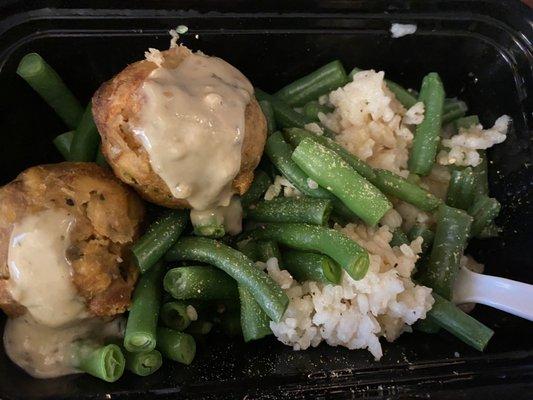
(481, 49)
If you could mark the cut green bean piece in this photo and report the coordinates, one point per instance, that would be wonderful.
(176, 346)
(482, 175)
(63, 142)
(285, 116)
(267, 249)
(484, 210)
(427, 134)
(305, 266)
(312, 108)
(453, 111)
(451, 236)
(348, 254)
(329, 170)
(489, 231)
(295, 135)
(394, 185)
(158, 238)
(249, 249)
(144, 364)
(45, 81)
(459, 324)
(312, 86)
(427, 326)
(266, 292)
(141, 327)
(268, 112)
(280, 154)
(199, 282)
(86, 138)
(211, 227)
(104, 362)
(174, 315)
(255, 323)
(285, 209)
(466, 122)
(257, 189)
(398, 238)
(462, 188)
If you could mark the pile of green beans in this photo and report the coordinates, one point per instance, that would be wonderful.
(231, 292)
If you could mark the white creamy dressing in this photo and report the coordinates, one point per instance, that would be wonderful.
(230, 216)
(41, 341)
(192, 127)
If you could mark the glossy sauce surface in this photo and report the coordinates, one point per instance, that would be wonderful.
(192, 127)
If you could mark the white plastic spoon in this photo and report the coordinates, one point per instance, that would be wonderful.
(504, 294)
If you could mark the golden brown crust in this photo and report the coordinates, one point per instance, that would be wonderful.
(108, 218)
(115, 106)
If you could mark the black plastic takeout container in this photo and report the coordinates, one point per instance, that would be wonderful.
(481, 49)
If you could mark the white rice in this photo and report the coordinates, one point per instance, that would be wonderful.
(399, 30)
(355, 314)
(281, 185)
(463, 146)
(371, 123)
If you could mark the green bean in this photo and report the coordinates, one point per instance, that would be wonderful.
(402, 95)
(312, 86)
(462, 188)
(158, 238)
(483, 210)
(425, 233)
(211, 227)
(141, 327)
(459, 324)
(199, 282)
(63, 142)
(284, 209)
(451, 236)
(104, 362)
(268, 112)
(285, 116)
(200, 327)
(385, 181)
(305, 266)
(348, 254)
(174, 315)
(394, 185)
(427, 326)
(145, 363)
(86, 138)
(466, 122)
(329, 170)
(176, 346)
(453, 111)
(267, 249)
(231, 324)
(45, 81)
(295, 135)
(427, 134)
(249, 248)
(266, 292)
(255, 323)
(398, 238)
(280, 153)
(258, 187)
(312, 108)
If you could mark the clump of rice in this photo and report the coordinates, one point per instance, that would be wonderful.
(399, 30)
(463, 146)
(371, 123)
(355, 314)
(281, 185)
